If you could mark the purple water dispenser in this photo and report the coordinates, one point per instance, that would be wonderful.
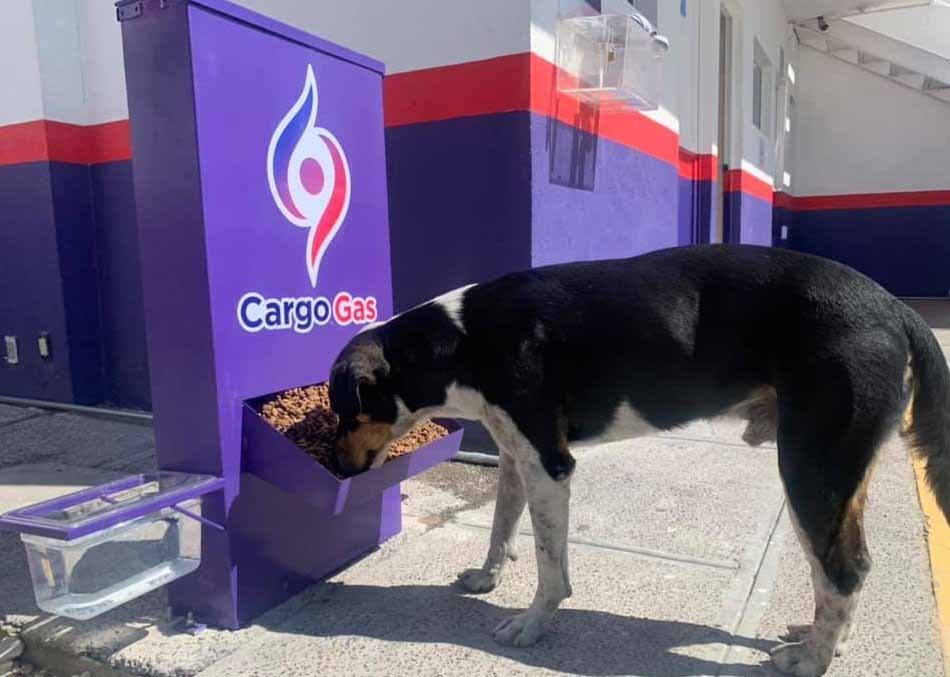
(260, 187)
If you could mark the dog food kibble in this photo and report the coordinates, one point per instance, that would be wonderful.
(305, 417)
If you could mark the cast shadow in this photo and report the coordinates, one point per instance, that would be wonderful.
(580, 641)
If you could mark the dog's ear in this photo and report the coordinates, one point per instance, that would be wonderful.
(361, 368)
(345, 391)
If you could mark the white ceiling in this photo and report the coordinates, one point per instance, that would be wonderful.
(801, 10)
(926, 28)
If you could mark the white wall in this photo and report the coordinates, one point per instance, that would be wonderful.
(924, 27)
(864, 134)
(410, 34)
(688, 102)
(79, 45)
(766, 22)
(102, 62)
(697, 75)
(61, 72)
(61, 60)
(21, 97)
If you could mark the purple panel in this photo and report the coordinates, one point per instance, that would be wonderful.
(32, 297)
(460, 188)
(291, 153)
(284, 544)
(905, 249)
(269, 455)
(251, 247)
(120, 286)
(76, 244)
(630, 208)
(175, 284)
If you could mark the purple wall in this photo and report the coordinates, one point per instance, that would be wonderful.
(463, 187)
(905, 249)
(32, 300)
(70, 251)
(459, 203)
(125, 359)
(76, 244)
(697, 211)
(748, 219)
(619, 201)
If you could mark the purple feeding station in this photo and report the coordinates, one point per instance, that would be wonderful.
(260, 188)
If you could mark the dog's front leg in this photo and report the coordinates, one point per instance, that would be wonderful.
(509, 507)
(548, 500)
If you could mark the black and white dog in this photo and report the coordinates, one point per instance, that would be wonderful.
(810, 352)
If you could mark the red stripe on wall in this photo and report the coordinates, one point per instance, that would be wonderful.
(738, 180)
(51, 141)
(24, 142)
(498, 85)
(517, 82)
(919, 198)
(698, 166)
(783, 200)
(626, 126)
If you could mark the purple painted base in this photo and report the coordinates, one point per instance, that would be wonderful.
(293, 523)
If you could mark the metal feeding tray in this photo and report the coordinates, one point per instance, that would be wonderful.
(93, 550)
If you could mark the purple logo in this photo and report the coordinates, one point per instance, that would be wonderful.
(309, 175)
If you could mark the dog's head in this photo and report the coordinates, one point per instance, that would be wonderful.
(361, 395)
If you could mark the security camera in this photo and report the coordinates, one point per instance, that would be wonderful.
(822, 24)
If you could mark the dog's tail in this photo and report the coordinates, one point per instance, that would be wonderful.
(927, 419)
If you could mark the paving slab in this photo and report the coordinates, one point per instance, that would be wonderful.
(725, 430)
(680, 497)
(140, 638)
(11, 414)
(396, 613)
(73, 439)
(437, 495)
(28, 483)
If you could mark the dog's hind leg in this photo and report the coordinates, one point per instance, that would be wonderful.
(827, 508)
(509, 507)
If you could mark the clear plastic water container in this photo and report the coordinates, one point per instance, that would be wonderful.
(97, 549)
(611, 60)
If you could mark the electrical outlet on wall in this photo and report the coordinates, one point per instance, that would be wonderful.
(12, 355)
(46, 351)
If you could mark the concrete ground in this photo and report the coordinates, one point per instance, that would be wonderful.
(683, 563)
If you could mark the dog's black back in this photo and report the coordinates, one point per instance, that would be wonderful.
(679, 334)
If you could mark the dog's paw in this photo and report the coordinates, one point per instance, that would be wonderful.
(521, 630)
(479, 581)
(797, 659)
(796, 633)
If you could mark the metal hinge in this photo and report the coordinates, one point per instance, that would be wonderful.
(129, 11)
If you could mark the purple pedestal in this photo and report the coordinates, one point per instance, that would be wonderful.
(260, 188)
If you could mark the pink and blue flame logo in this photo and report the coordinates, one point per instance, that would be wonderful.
(309, 175)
